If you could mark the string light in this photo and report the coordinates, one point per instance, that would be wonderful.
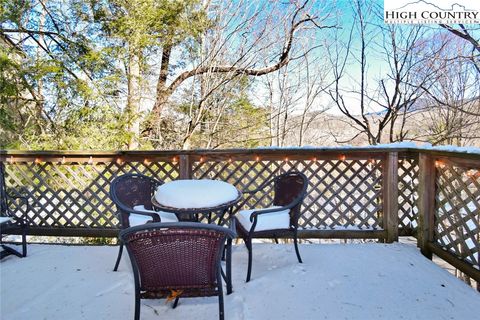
(343, 157)
(472, 173)
(90, 160)
(230, 160)
(37, 160)
(257, 158)
(286, 159)
(119, 160)
(314, 159)
(439, 163)
(63, 160)
(146, 161)
(371, 160)
(201, 159)
(174, 160)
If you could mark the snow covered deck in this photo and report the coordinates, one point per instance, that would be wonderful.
(337, 281)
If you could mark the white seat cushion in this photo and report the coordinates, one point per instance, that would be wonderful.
(138, 219)
(267, 221)
(5, 220)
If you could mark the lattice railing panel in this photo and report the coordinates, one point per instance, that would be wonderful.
(341, 194)
(408, 194)
(344, 192)
(75, 195)
(457, 212)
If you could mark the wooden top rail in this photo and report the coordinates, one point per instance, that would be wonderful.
(195, 155)
(206, 151)
(458, 161)
(272, 153)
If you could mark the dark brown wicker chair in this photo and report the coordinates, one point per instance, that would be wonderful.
(15, 223)
(176, 260)
(279, 220)
(132, 194)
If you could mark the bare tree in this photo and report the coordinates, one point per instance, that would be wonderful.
(451, 105)
(314, 84)
(466, 34)
(243, 37)
(378, 101)
(285, 96)
(294, 94)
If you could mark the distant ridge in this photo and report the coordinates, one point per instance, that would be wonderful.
(434, 5)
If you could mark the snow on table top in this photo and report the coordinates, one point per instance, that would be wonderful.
(187, 194)
(336, 281)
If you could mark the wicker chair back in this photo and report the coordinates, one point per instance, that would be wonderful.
(289, 188)
(129, 190)
(176, 258)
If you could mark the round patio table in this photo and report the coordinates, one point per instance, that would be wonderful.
(191, 198)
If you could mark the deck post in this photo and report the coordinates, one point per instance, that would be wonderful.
(426, 203)
(390, 196)
(185, 167)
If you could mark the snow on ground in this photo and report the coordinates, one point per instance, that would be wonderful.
(336, 281)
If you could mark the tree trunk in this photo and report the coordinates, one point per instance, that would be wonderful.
(133, 100)
(163, 92)
(302, 126)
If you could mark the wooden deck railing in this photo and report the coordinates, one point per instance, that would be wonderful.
(449, 209)
(353, 192)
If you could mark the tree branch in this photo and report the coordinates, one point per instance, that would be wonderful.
(464, 35)
(282, 61)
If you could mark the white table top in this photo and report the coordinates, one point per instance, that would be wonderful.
(187, 194)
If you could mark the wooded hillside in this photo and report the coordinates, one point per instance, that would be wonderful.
(170, 74)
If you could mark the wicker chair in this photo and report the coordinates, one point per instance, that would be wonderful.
(176, 260)
(281, 219)
(132, 194)
(12, 222)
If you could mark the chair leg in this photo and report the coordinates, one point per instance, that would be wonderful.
(24, 242)
(175, 303)
(224, 253)
(221, 312)
(229, 266)
(295, 242)
(137, 305)
(248, 243)
(119, 257)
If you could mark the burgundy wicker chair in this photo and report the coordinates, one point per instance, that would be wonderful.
(176, 260)
(132, 194)
(12, 223)
(281, 219)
